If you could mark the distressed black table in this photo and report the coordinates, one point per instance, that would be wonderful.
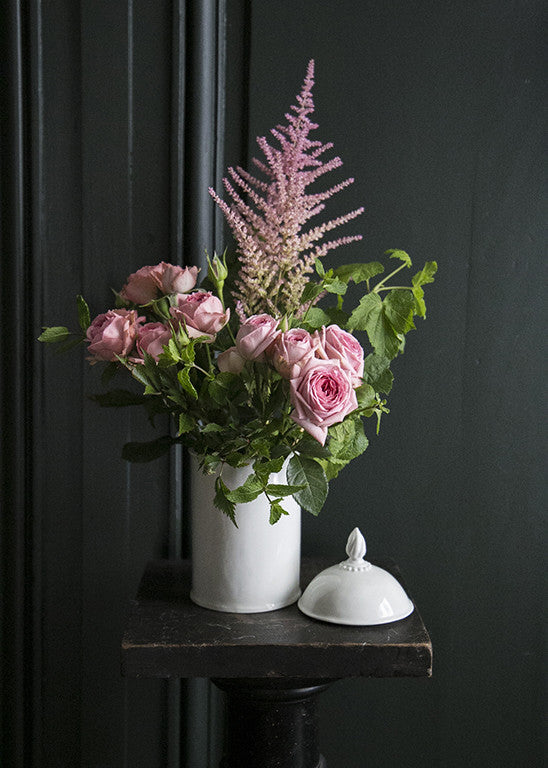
(272, 666)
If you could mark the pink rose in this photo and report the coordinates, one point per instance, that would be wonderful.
(321, 396)
(178, 280)
(256, 335)
(290, 352)
(113, 333)
(335, 344)
(149, 283)
(151, 338)
(230, 360)
(201, 312)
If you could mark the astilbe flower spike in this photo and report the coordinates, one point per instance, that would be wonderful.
(267, 217)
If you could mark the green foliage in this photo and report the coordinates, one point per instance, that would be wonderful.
(55, 334)
(83, 313)
(359, 273)
(309, 474)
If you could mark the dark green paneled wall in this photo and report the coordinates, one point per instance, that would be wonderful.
(436, 110)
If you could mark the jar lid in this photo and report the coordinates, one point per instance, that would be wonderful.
(355, 592)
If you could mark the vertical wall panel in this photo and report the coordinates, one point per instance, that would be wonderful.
(126, 139)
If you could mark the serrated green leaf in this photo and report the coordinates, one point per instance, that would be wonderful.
(366, 313)
(276, 511)
(83, 313)
(366, 396)
(54, 334)
(347, 440)
(118, 398)
(143, 452)
(395, 253)
(336, 286)
(370, 316)
(311, 291)
(359, 272)
(426, 275)
(249, 491)
(308, 472)
(263, 469)
(398, 307)
(223, 503)
(315, 318)
(183, 378)
(173, 350)
(319, 268)
(283, 490)
(377, 373)
(310, 447)
(212, 427)
(186, 423)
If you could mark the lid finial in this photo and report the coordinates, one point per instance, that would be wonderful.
(355, 546)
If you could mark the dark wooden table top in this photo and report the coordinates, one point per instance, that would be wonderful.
(168, 636)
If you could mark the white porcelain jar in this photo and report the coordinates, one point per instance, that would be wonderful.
(249, 569)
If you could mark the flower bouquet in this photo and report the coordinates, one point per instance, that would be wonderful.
(259, 364)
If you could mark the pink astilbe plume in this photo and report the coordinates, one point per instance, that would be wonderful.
(267, 217)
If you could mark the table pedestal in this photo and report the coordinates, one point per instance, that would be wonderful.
(271, 723)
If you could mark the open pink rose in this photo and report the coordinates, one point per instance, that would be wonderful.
(113, 333)
(152, 337)
(201, 312)
(150, 283)
(256, 335)
(321, 396)
(290, 352)
(335, 344)
(230, 360)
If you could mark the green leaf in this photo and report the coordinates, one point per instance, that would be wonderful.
(143, 452)
(398, 307)
(359, 272)
(263, 469)
(426, 275)
(395, 253)
(183, 377)
(222, 502)
(347, 440)
(366, 313)
(83, 313)
(305, 471)
(186, 423)
(316, 317)
(54, 334)
(311, 291)
(307, 446)
(276, 511)
(366, 396)
(335, 286)
(212, 427)
(370, 316)
(377, 373)
(118, 398)
(319, 268)
(283, 490)
(252, 488)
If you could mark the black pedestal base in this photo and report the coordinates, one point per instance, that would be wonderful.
(271, 723)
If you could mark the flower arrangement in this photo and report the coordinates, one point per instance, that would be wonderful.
(260, 364)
